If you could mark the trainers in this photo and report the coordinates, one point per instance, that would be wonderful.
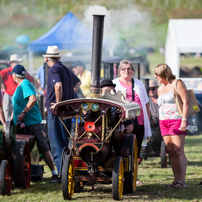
(55, 179)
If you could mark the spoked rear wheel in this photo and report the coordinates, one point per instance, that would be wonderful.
(5, 178)
(131, 175)
(22, 165)
(68, 177)
(118, 178)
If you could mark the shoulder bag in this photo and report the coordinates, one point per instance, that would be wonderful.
(135, 121)
(193, 104)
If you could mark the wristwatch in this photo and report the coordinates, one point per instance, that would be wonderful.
(24, 112)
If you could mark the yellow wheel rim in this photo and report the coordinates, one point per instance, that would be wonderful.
(71, 178)
(121, 179)
(135, 163)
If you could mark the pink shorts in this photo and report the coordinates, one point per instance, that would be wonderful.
(171, 127)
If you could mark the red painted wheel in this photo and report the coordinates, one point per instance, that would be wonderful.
(22, 165)
(5, 178)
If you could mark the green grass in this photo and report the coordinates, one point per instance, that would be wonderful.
(9, 34)
(35, 18)
(150, 172)
(157, 58)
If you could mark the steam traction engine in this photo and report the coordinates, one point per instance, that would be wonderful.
(101, 150)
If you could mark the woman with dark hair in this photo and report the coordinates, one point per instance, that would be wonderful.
(135, 91)
(173, 127)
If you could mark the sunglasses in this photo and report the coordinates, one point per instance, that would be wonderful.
(152, 88)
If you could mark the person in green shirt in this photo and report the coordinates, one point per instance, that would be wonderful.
(25, 107)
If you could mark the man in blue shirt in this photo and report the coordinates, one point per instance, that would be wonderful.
(42, 74)
(62, 83)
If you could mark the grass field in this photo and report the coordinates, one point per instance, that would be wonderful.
(189, 62)
(150, 172)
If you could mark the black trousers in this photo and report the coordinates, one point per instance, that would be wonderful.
(140, 135)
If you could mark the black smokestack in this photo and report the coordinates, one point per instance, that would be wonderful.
(98, 27)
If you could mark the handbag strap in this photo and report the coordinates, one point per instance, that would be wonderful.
(133, 92)
(176, 84)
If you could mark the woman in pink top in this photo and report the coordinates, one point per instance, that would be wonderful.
(124, 83)
(173, 127)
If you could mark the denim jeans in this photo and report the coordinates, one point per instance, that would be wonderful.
(57, 137)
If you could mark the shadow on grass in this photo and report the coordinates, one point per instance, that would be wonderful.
(148, 192)
(36, 186)
(194, 163)
(160, 192)
(194, 141)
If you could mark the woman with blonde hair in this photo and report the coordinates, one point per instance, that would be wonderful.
(135, 91)
(173, 127)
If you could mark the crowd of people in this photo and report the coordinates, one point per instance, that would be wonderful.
(19, 103)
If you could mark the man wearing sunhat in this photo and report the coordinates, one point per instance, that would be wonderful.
(154, 145)
(9, 85)
(62, 83)
(153, 96)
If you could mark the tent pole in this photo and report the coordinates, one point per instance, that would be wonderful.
(31, 65)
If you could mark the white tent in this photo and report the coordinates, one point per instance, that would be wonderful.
(183, 36)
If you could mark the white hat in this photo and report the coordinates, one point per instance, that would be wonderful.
(52, 52)
(15, 58)
(152, 83)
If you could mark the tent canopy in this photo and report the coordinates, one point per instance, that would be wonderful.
(68, 34)
(183, 36)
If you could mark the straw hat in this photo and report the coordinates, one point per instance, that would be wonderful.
(14, 58)
(52, 52)
(152, 83)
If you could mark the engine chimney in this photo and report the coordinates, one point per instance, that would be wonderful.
(98, 27)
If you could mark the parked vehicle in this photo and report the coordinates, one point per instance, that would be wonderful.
(194, 121)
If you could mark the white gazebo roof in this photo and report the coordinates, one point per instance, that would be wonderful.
(183, 36)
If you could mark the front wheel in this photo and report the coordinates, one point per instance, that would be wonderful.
(68, 177)
(5, 178)
(118, 178)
